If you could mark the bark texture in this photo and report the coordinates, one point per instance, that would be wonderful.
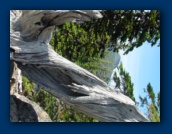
(30, 33)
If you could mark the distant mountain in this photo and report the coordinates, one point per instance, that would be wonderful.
(112, 57)
(107, 64)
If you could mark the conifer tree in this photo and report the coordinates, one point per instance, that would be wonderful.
(117, 30)
(128, 29)
(151, 103)
(123, 82)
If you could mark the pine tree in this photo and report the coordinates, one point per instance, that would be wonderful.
(153, 107)
(124, 82)
(129, 28)
(117, 30)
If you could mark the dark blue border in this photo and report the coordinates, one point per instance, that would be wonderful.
(166, 49)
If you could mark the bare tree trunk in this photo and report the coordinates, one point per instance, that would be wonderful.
(30, 33)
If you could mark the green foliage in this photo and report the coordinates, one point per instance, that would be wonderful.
(143, 101)
(153, 113)
(151, 93)
(152, 106)
(28, 87)
(128, 28)
(47, 102)
(131, 28)
(74, 43)
(57, 110)
(123, 82)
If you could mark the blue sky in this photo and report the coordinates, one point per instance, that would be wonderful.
(143, 65)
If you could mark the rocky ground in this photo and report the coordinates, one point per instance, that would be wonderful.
(24, 110)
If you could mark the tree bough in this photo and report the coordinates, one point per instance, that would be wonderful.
(30, 34)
